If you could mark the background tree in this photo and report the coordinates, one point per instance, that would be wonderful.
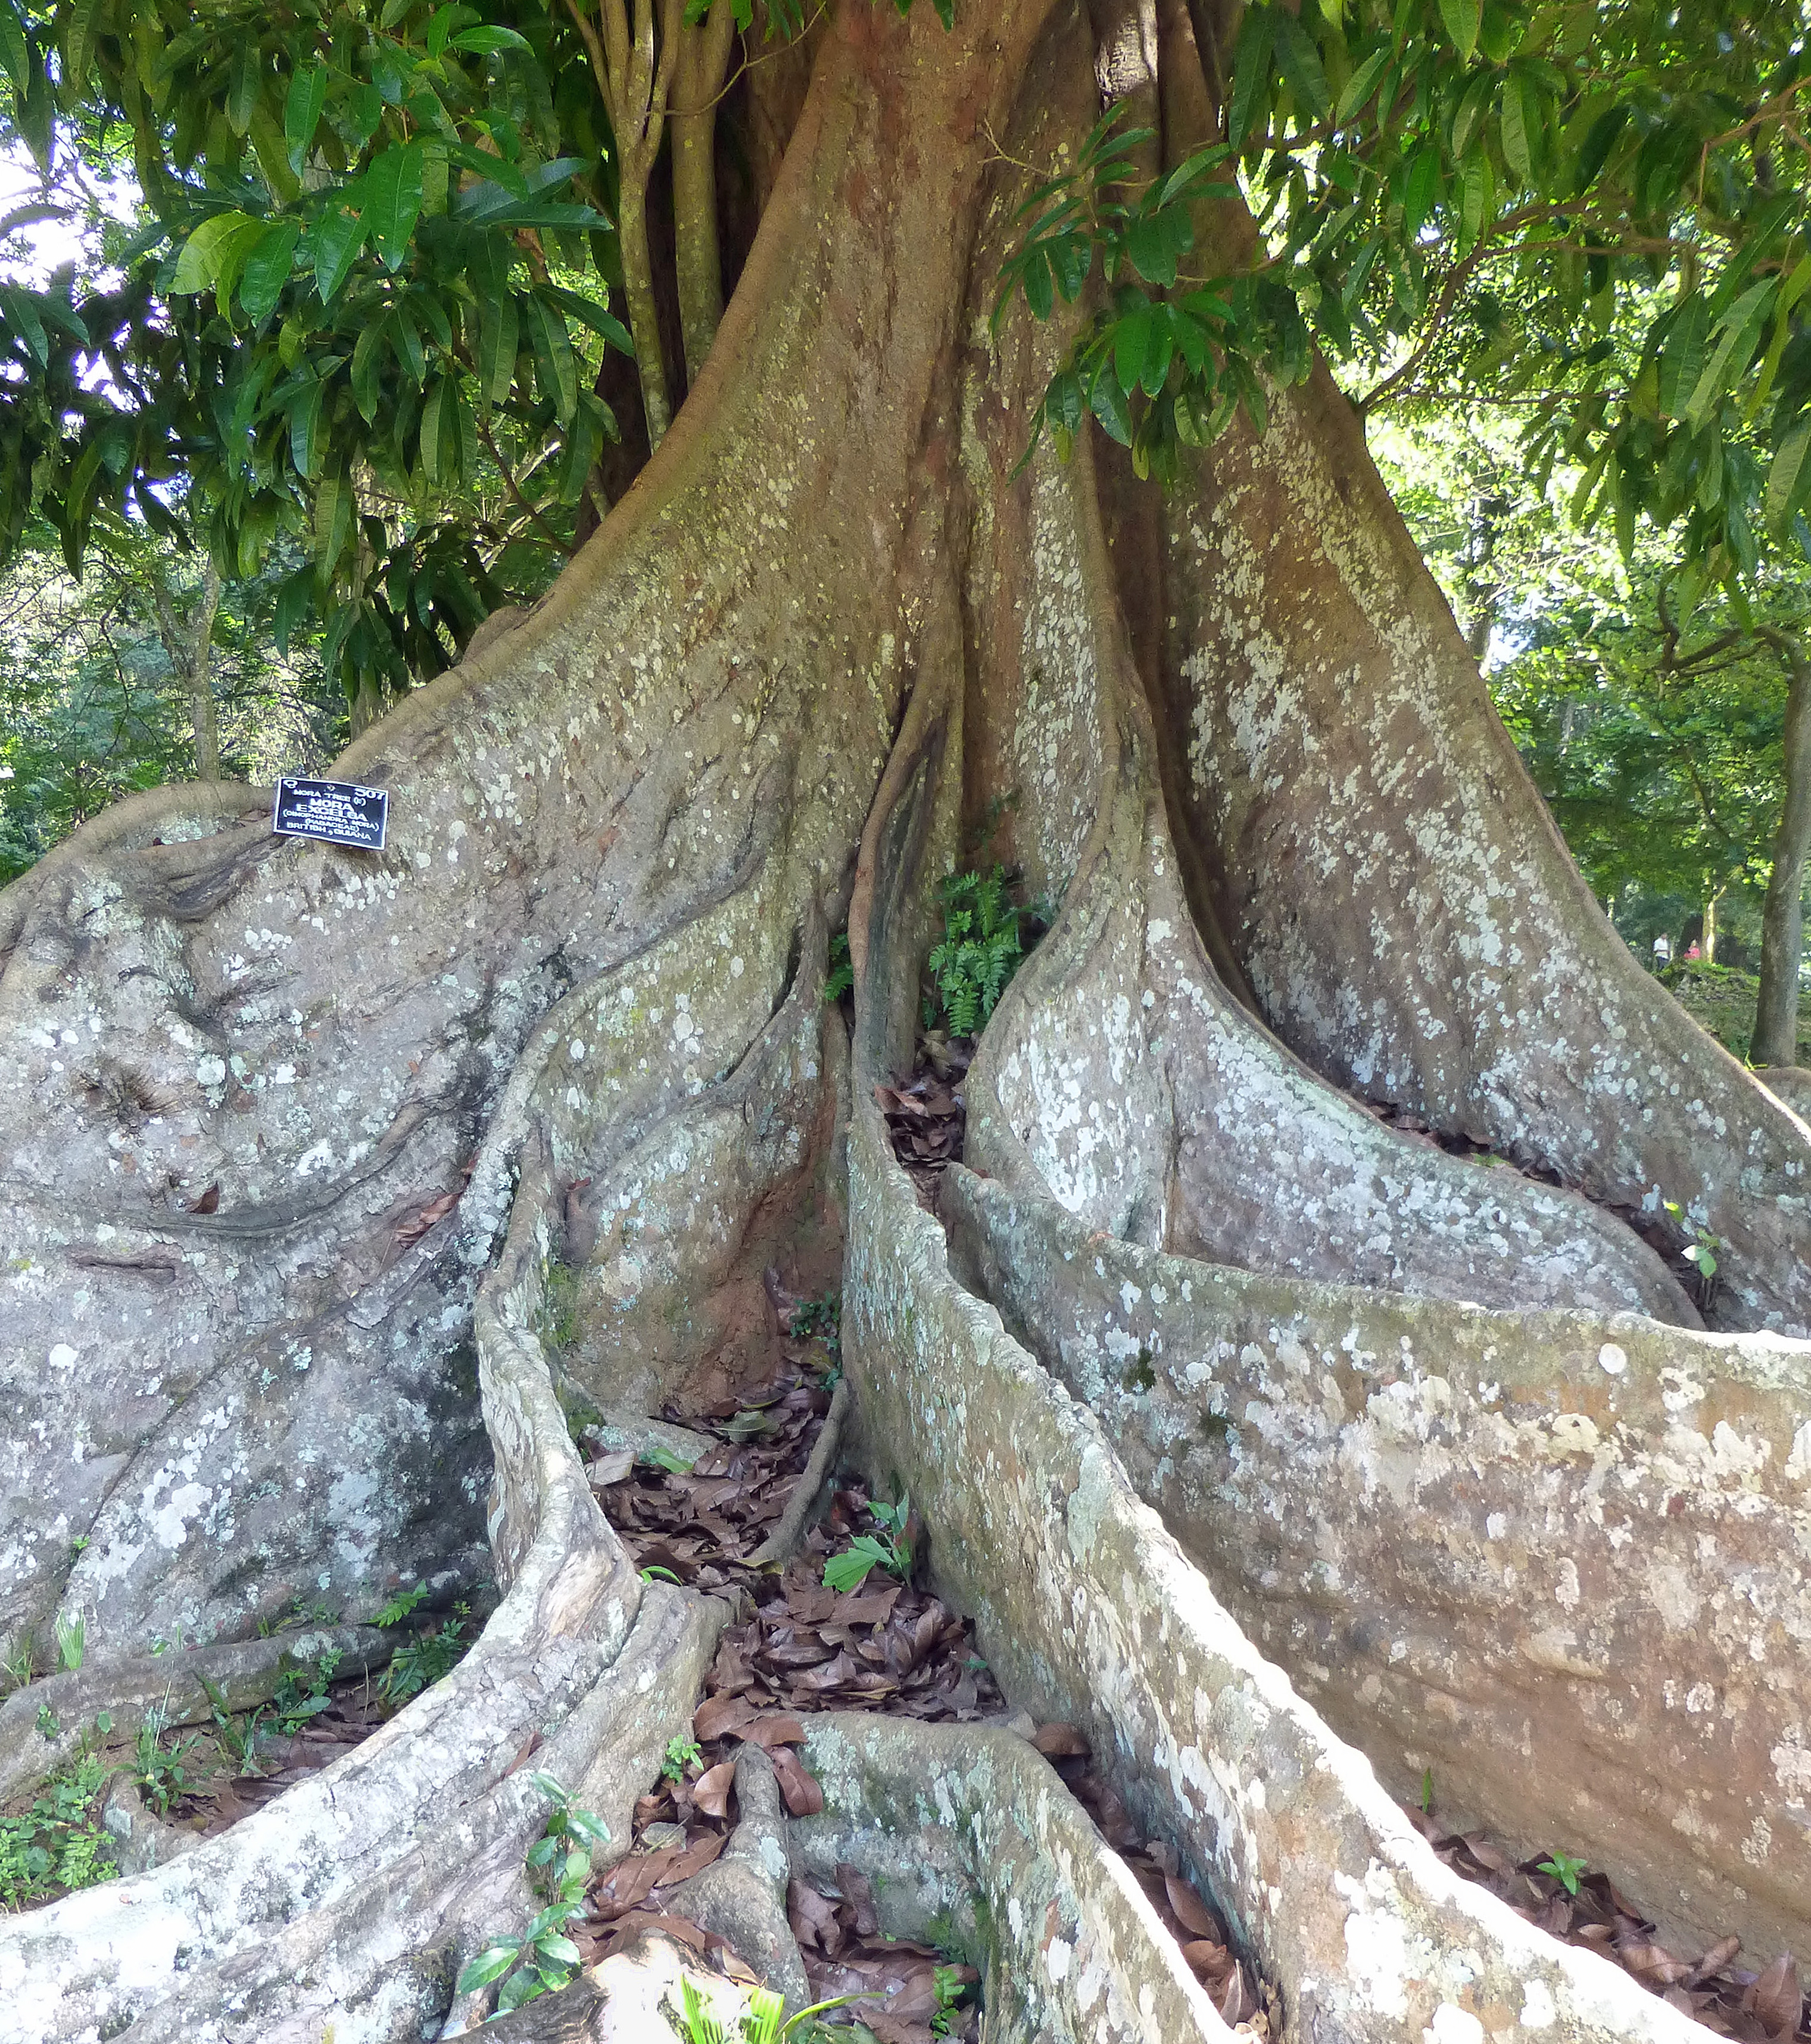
(1661, 752)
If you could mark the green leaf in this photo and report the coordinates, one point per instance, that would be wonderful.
(1154, 243)
(1740, 329)
(1034, 278)
(337, 238)
(445, 21)
(1250, 72)
(498, 338)
(561, 1950)
(433, 450)
(1682, 355)
(20, 314)
(303, 110)
(1787, 477)
(15, 52)
(267, 269)
(1131, 341)
(1520, 122)
(490, 1964)
(1480, 97)
(1422, 189)
(850, 1569)
(199, 264)
(553, 354)
(1300, 65)
(1594, 152)
(1360, 85)
(247, 81)
(366, 364)
(1192, 413)
(79, 43)
(304, 423)
(1107, 402)
(1477, 198)
(588, 312)
(484, 41)
(393, 201)
(1462, 18)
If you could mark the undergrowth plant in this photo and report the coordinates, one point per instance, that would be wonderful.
(58, 1844)
(1564, 1869)
(682, 1755)
(1700, 1252)
(542, 1959)
(303, 1690)
(236, 1738)
(71, 1638)
(888, 1549)
(821, 1320)
(760, 2022)
(840, 978)
(980, 950)
(162, 1776)
(420, 1663)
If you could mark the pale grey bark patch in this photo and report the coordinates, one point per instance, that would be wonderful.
(1088, 1610)
(974, 1826)
(1400, 897)
(1562, 1560)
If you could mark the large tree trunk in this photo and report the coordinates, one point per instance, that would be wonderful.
(575, 1002)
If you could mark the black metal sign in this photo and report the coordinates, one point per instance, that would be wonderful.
(337, 811)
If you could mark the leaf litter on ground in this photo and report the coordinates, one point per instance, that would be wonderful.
(1764, 2007)
(795, 1646)
(926, 1114)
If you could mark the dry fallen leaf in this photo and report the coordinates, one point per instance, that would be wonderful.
(1779, 2002)
(1060, 1741)
(711, 1791)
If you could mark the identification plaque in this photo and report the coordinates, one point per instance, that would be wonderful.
(338, 811)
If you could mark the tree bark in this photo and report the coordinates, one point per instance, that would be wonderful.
(1782, 937)
(633, 69)
(290, 1133)
(703, 56)
(188, 644)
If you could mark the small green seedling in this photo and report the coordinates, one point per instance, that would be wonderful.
(542, 1959)
(71, 1638)
(760, 2021)
(950, 1987)
(58, 1844)
(49, 1725)
(840, 978)
(19, 1667)
(683, 1756)
(163, 1779)
(1564, 1869)
(888, 1550)
(302, 1691)
(1427, 1792)
(1700, 1252)
(401, 1606)
(819, 1320)
(430, 1657)
(235, 1740)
